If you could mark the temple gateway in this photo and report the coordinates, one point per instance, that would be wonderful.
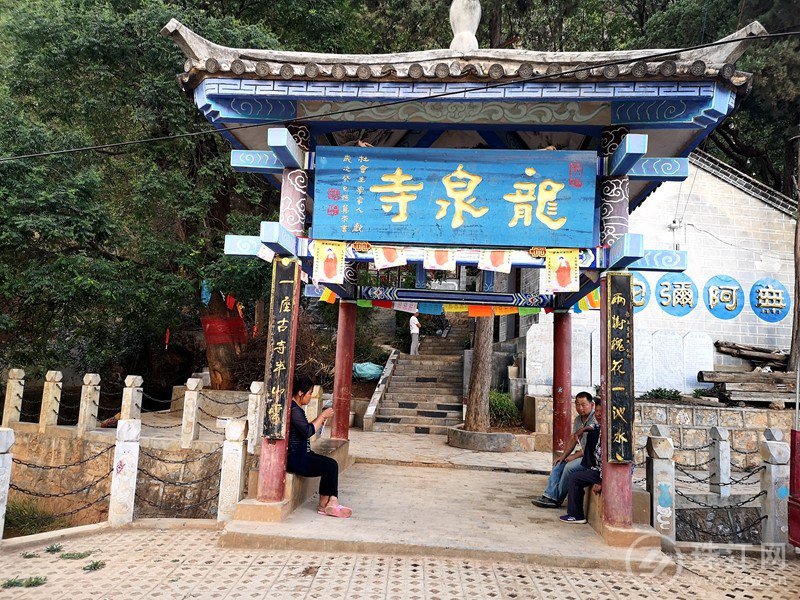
(511, 161)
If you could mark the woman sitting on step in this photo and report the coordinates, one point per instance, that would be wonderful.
(302, 461)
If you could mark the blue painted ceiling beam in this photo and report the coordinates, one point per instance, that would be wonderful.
(282, 144)
(632, 147)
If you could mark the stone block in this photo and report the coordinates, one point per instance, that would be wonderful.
(685, 457)
(731, 418)
(654, 415)
(693, 437)
(744, 441)
(783, 419)
(706, 417)
(6, 440)
(755, 419)
(680, 416)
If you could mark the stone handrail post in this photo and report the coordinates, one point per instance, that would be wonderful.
(231, 479)
(255, 408)
(132, 398)
(15, 386)
(123, 474)
(191, 401)
(6, 441)
(51, 400)
(90, 402)
(720, 467)
(775, 482)
(661, 485)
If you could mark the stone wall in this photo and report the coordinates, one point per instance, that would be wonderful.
(725, 231)
(59, 446)
(689, 427)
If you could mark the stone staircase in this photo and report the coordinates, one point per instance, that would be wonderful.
(460, 330)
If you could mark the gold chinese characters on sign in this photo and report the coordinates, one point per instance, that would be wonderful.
(619, 367)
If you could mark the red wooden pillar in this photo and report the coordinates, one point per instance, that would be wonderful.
(617, 480)
(562, 380)
(343, 377)
(274, 447)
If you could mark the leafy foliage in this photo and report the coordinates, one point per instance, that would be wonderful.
(502, 410)
(661, 394)
(75, 555)
(25, 517)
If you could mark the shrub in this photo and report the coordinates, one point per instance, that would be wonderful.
(661, 394)
(502, 410)
(25, 517)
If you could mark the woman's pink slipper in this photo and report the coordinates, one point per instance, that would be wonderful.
(338, 511)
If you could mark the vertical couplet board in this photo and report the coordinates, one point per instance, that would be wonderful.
(619, 368)
(280, 347)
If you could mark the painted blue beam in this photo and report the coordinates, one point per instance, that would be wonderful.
(242, 245)
(455, 297)
(286, 149)
(629, 248)
(422, 277)
(675, 261)
(632, 148)
(256, 161)
(278, 239)
(488, 281)
(660, 169)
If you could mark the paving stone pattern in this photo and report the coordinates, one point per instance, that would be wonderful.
(188, 563)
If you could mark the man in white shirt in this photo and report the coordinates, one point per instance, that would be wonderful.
(413, 325)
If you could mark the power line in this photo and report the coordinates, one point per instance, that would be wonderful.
(665, 54)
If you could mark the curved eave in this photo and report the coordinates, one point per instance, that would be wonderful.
(206, 59)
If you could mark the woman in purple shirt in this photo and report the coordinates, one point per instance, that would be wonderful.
(302, 461)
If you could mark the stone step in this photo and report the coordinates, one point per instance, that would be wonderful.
(398, 428)
(421, 421)
(422, 405)
(444, 360)
(411, 412)
(427, 379)
(433, 369)
(421, 392)
(414, 395)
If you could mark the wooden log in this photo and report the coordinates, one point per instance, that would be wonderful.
(751, 377)
(753, 355)
(771, 387)
(749, 347)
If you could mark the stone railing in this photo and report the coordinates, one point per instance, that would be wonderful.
(665, 471)
(380, 390)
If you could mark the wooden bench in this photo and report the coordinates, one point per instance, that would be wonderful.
(297, 491)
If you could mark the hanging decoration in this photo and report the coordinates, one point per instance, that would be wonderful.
(479, 310)
(429, 308)
(388, 256)
(230, 302)
(329, 261)
(502, 311)
(328, 296)
(495, 260)
(525, 311)
(562, 270)
(205, 293)
(409, 307)
(590, 301)
(454, 308)
(266, 254)
(439, 259)
(166, 340)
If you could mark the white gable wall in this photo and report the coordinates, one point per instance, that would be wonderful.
(726, 232)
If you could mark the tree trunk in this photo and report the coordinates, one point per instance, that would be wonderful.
(223, 345)
(261, 318)
(480, 379)
(794, 353)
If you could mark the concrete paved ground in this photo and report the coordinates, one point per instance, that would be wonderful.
(440, 512)
(189, 563)
(432, 450)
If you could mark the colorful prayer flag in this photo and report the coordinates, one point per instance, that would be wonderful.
(500, 311)
(562, 270)
(364, 303)
(479, 311)
(429, 308)
(409, 307)
(230, 302)
(328, 296)
(525, 311)
(329, 261)
(382, 303)
(454, 308)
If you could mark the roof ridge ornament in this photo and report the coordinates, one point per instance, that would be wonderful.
(465, 16)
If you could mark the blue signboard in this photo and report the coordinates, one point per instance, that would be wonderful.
(640, 292)
(770, 299)
(723, 297)
(473, 198)
(676, 294)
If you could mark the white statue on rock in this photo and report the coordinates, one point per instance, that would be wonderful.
(465, 16)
